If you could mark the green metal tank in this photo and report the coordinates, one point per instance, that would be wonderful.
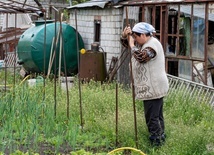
(34, 50)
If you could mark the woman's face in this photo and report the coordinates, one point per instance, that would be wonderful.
(140, 39)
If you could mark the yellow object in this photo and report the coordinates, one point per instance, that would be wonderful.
(126, 148)
(82, 51)
(24, 79)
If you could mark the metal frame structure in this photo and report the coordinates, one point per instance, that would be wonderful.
(6, 37)
(10, 36)
(161, 8)
(12, 6)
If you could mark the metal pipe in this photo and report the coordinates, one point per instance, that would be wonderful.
(64, 60)
(206, 43)
(54, 59)
(116, 115)
(79, 83)
(45, 35)
(133, 89)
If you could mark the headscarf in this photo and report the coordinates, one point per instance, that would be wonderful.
(143, 28)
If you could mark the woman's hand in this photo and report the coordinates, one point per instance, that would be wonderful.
(131, 41)
(127, 31)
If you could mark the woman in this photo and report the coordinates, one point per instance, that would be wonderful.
(150, 79)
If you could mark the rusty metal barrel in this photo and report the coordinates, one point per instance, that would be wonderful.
(93, 66)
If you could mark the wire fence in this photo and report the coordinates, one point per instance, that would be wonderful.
(10, 60)
(190, 90)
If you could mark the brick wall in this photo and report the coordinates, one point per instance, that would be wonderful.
(111, 28)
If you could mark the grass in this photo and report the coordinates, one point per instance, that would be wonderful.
(31, 124)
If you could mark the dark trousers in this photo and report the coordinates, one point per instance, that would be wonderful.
(153, 110)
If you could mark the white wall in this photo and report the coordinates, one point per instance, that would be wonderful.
(1, 21)
(111, 27)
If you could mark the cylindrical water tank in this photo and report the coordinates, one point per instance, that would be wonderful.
(40, 44)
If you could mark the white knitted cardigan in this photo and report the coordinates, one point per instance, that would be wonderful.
(150, 79)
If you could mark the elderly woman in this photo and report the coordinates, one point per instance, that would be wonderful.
(150, 79)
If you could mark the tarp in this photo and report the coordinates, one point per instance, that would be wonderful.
(16, 20)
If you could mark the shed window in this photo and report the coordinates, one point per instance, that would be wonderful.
(97, 27)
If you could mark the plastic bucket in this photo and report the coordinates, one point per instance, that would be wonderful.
(35, 82)
(70, 82)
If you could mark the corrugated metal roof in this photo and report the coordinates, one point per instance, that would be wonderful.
(92, 3)
(119, 3)
(144, 2)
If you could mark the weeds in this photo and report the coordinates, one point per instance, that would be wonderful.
(29, 124)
